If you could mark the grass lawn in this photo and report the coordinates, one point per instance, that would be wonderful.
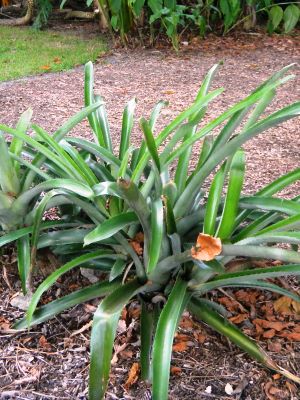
(24, 51)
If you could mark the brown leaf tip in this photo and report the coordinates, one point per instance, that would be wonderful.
(207, 247)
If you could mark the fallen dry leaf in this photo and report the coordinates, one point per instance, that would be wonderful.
(237, 319)
(57, 60)
(274, 393)
(186, 323)
(133, 375)
(277, 325)
(274, 346)
(175, 370)
(269, 334)
(136, 247)
(180, 347)
(293, 336)
(287, 306)
(207, 247)
(45, 67)
(182, 337)
(4, 324)
(44, 344)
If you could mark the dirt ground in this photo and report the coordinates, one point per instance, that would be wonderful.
(51, 361)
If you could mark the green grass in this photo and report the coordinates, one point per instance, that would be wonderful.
(24, 51)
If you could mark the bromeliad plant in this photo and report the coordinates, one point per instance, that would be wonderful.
(189, 237)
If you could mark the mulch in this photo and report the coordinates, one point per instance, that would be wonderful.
(51, 361)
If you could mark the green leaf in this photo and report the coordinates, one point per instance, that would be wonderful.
(236, 179)
(51, 279)
(163, 340)
(9, 182)
(275, 16)
(127, 125)
(291, 17)
(150, 141)
(109, 227)
(229, 148)
(117, 269)
(213, 202)
(147, 328)
(89, 100)
(289, 207)
(55, 307)
(17, 144)
(157, 227)
(224, 327)
(247, 276)
(16, 234)
(102, 338)
(23, 254)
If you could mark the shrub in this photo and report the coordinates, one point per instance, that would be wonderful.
(183, 239)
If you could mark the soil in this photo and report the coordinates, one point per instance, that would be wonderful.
(51, 361)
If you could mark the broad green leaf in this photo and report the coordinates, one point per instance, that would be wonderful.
(157, 227)
(150, 142)
(117, 269)
(51, 279)
(17, 144)
(55, 307)
(288, 207)
(213, 201)
(247, 276)
(9, 182)
(224, 327)
(230, 209)
(23, 255)
(102, 338)
(260, 252)
(111, 226)
(164, 336)
(127, 125)
(275, 16)
(291, 17)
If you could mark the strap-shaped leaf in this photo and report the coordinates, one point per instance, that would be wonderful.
(102, 338)
(213, 201)
(17, 144)
(150, 142)
(9, 182)
(289, 207)
(127, 125)
(229, 330)
(51, 279)
(157, 228)
(235, 278)
(110, 226)
(23, 254)
(164, 336)
(55, 307)
(235, 184)
(231, 147)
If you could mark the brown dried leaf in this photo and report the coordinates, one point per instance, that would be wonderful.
(269, 334)
(274, 393)
(186, 323)
(45, 67)
(180, 347)
(286, 305)
(292, 336)
(274, 346)
(175, 370)
(207, 247)
(237, 319)
(136, 247)
(133, 375)
(43, 342)
(277, 325)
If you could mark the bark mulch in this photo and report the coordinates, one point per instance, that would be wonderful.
(51, 361)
